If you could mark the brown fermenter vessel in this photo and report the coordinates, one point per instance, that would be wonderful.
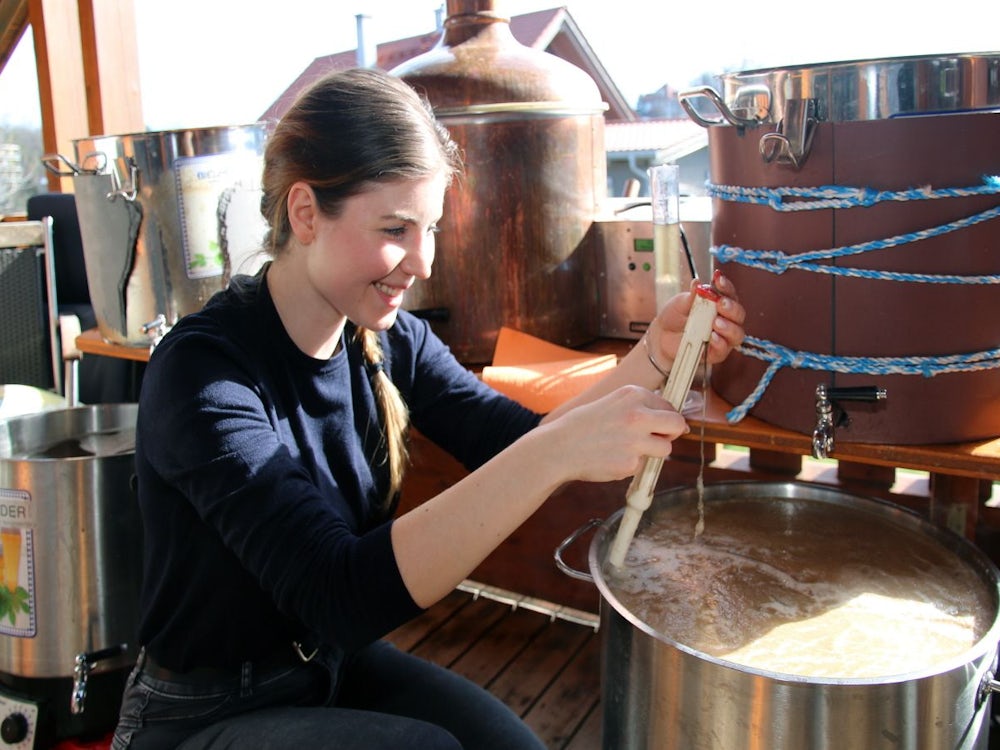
(887, 126)
(511, 249)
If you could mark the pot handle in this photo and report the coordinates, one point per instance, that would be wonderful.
(752, 105)
(52, 162)
(55, 164)
(988, 686)
(566, 568)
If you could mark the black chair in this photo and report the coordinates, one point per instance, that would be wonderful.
(101, 380)
(29, 350)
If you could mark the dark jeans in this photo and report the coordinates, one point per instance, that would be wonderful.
(380, 698)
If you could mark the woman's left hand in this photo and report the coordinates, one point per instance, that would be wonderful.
(727, 331)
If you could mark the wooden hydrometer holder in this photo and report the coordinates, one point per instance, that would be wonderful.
(697, 332)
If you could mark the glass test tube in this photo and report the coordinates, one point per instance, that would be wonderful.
(667, 256)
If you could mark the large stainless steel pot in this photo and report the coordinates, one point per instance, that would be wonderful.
(877, 127)
(166, 217)
(661, 694)
(71, 537)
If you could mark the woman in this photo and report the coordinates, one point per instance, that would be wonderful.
(271, 447)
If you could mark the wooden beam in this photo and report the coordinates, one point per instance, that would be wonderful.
(88, 72)
(58, 57)
(111, 66)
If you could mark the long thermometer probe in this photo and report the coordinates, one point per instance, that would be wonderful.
(697, 332)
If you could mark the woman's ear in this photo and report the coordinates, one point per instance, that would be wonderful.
(302, 212)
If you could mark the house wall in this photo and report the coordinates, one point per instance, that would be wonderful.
(693, 172)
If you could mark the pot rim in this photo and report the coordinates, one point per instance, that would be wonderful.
(70, 423)
(986, 646)
(155, 135)
(863, 63)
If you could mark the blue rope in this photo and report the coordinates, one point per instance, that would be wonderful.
(779, 356)
(776, 261)
(841, 196)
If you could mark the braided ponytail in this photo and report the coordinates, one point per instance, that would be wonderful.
(393, 410)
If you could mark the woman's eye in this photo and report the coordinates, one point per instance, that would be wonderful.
(395, 232)
(433, 229)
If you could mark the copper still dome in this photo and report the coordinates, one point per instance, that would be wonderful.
(511, 250)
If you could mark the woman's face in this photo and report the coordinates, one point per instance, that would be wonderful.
(363, 260)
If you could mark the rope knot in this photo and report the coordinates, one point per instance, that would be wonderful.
(867, 196)
(724, 253)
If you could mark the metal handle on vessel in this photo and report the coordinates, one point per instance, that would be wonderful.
(989, 685)
(791, 144)
(50, 162)
(565, 567)
(755, 101)
(81, 671)
(127, 191)
(827, 402)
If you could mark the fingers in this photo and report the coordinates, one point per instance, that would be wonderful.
(657, 423)
(612, 435)
(727, 331)
(722, 284)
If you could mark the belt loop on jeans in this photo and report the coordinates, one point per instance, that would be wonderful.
(246, 679)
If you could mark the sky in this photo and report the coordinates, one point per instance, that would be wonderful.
(205, 63)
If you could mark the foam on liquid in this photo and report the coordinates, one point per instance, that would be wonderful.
(802, 588)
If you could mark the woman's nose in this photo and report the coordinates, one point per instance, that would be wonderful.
(420, 258)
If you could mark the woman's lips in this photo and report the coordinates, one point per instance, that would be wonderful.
(393, 294)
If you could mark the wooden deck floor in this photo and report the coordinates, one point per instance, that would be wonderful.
(542, 662)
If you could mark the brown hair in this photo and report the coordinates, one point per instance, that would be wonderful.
(350, 130)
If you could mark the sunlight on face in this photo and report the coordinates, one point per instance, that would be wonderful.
(365, 259)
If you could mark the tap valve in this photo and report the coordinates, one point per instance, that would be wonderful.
(830, 415)
(82, 666)
(155, 329)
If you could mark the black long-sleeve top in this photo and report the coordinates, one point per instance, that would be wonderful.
(261, 480)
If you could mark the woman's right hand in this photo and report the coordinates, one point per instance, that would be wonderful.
(607, 439)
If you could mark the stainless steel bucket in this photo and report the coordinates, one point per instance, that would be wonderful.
(166, 218)
(72, 540)
(664, 694)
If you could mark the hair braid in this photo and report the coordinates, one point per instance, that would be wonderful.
(394, 413)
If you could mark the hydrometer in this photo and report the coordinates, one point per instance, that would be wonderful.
(697, 332)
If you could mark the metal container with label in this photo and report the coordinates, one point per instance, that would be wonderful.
(70, 570)
(166, 217)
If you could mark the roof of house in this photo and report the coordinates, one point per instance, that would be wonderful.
(669, 139)
(553, 31)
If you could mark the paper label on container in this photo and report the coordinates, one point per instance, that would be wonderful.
(207, 187)
(17, 564)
